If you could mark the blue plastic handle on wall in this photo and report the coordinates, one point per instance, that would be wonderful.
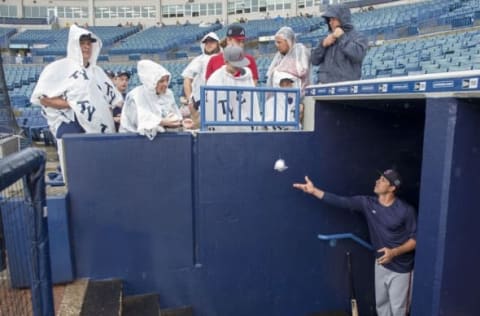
(334, 237)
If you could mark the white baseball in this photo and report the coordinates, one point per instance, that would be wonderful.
(280, 165)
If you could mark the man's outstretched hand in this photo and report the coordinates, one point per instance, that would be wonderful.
(306, 187)
(309, 187)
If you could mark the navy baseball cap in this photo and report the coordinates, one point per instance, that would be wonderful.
(123, 73)
(236, 31)
(393, 177)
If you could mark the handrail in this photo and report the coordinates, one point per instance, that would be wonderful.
(248, 107)
(334, 237)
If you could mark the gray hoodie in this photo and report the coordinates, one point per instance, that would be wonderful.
(341, 61)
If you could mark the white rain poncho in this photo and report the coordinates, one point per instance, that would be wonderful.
(88, 91)
(197, 68)
(296, 62)
(232, 103)
(144, 109)
(284, 111)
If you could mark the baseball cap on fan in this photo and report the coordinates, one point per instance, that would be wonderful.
(125, 73)
(235, 56)
(236, 31)
(282, 76)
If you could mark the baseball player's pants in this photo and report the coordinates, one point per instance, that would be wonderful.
(392, 291)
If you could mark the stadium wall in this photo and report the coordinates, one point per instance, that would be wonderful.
(445, 284)
(450, 151)
(206, 220)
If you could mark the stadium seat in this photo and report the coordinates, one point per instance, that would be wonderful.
(134, 56)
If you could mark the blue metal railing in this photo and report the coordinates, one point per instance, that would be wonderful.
(334, 237)
(249, 106)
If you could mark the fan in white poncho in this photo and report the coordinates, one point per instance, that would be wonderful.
(76, 95)
(281, 106)
(150, 108)
(235, 106)
(89, 93)
(292, 58)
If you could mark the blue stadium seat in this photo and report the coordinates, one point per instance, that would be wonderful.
(48, 59)
(134, 56)
(103, 58)
(181, 54)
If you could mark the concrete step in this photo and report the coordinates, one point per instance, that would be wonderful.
(102, 298)
(85, 297)
(73, 297)
(143, 304)
(177, 311)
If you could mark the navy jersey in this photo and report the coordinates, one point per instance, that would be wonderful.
(389, 226)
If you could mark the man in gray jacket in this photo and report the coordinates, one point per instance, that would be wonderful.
(339, 55)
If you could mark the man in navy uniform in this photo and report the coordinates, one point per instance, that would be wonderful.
(392, 226)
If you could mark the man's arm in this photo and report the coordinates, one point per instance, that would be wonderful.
(354, 48)
(187, 87)
(391, 253)
(55, 102)
(351, 203)
(318, 54)
(253, 68)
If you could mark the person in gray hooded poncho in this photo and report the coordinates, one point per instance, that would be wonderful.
(292, 58)
(339, 55)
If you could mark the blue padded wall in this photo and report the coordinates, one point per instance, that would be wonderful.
(15, 221)
(59, 239)
(15, 229)
(131, 202)
(257, 235)
(446, 281)
(262, 252)
(206, 220)
(437, 155)
(461, 278)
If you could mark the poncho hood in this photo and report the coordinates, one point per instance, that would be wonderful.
(74, 52)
